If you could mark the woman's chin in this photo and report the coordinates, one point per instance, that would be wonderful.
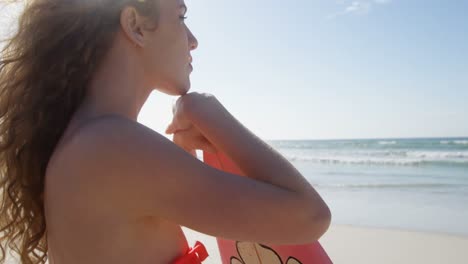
(185, 88)
(176, 90)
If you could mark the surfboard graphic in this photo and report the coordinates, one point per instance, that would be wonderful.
(239, 252)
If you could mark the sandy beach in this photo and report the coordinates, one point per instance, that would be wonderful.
(349, 244)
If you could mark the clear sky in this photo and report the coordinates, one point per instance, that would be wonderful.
(310, 69)
(324, 69)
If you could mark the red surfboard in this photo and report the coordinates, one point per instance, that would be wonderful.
(238, 252)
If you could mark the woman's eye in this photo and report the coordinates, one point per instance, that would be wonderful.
(183, 17)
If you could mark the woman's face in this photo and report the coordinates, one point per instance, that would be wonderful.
(166, 55)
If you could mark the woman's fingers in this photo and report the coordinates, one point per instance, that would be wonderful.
(191, 140)
(170, 129)
(179, 119)
(175, 127)
(207, 146)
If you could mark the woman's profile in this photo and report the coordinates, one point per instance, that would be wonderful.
(83, 182)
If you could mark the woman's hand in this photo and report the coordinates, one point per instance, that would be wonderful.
(185, 134)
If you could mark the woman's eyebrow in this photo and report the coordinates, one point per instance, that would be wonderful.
(183, 6)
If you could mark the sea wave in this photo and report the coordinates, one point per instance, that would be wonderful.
(379, 161)
(439, 154)
(397, 154)
(454, 142)
(389, 185)
(387, 142)
(396, 144)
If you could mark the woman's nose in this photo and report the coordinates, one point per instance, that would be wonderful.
(193, 42)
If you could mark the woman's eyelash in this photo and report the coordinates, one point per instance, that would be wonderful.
(183, 17)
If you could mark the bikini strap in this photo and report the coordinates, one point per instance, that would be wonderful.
(195, 255)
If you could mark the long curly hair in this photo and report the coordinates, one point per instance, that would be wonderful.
(45, 68)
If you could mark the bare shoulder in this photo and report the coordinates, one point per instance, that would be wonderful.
(102, 145)
(70, 148)
(74, 150)
(112, 158)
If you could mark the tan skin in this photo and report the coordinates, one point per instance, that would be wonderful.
(118, 192)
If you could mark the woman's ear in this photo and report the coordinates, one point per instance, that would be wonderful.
(132, 24)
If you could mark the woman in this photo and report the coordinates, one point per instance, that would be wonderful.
(84, 182)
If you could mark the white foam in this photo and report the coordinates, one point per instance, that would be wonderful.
(414, 160)
(461, 142)
(439, 155)
(387, 142)
(388, 185)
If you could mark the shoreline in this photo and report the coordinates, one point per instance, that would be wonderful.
(366, 245)
(346, 244)
(407, 230)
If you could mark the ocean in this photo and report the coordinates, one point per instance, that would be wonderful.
(408, 184)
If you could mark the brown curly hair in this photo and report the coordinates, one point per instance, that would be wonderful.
(45, 68)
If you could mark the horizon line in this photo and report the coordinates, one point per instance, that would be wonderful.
(376, 138)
